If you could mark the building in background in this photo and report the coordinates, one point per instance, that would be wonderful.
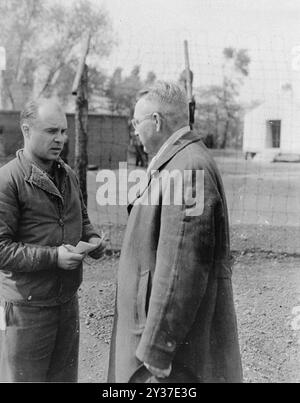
(108, 138)
(272, 130)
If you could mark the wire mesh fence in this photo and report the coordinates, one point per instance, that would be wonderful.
(263, 204)
(263, 196)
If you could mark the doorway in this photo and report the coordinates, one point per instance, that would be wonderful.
(274, 130)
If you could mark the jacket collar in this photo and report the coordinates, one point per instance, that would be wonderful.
(171, 150)
(38, 177)
(174, 148)
(171, 140)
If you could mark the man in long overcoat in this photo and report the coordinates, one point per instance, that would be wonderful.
(175, 319)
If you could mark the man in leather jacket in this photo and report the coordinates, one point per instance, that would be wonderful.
(42, 217)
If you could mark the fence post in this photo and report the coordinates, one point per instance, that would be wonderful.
(81, 121)
(191, 100)
(80, 90)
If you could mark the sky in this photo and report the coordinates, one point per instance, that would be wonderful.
(151, 33)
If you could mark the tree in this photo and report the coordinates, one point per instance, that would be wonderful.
(19, 24)
(235, 68)
(96, 85)
(67, 25)
(150, 79)
(122, 92)
(43, 39)
(219, 110)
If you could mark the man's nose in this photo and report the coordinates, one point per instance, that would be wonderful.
(60, 137)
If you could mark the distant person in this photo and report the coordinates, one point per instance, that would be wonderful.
(42, 217)
(174, 318)
(141, 157)
(209, 141)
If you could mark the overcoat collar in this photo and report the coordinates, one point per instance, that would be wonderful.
(173, 149)
(166, 156)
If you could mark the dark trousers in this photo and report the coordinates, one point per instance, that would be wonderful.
(40, 344)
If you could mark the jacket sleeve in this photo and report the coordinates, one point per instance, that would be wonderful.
(183, 262)
(18, 256)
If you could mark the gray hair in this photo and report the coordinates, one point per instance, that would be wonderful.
(165, 92)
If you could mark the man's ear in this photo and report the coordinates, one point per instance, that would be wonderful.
(25, 130)
(157, 121)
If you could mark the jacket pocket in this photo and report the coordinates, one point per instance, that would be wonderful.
(143, 296)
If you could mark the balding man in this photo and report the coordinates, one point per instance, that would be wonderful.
(42, 216)
(175, 319)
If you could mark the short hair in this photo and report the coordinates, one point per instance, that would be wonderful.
(167, 94)
(29, 112)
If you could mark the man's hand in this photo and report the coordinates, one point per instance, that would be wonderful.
(101, 246)
(66, 259)
(157, 372)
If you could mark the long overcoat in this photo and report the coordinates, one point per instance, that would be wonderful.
(174, 301)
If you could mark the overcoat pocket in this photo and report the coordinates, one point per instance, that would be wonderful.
(143, 295)
(5, 308)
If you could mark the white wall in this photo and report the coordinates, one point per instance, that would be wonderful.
(255, 125)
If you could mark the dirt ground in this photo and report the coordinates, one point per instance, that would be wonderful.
(263, 203)
(267, 297)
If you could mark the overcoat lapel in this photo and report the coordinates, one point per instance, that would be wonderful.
(167, 155)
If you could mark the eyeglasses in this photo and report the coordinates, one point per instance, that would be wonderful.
(136, 122)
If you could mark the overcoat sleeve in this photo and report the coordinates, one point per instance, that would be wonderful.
(184, 259)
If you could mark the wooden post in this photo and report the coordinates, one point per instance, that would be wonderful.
(80, 90)
(187, 71)
(1, 90)
(81, 121)
(2, 68)
(189, 90)
(81, 64)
